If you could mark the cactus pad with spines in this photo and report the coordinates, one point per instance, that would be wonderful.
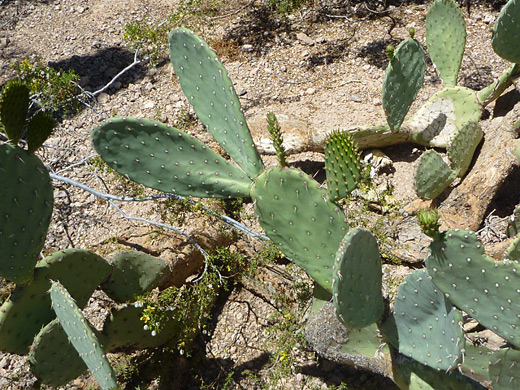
(403, 79)
(14, 106)
(506, 32)
(29, 306)
(429, 222)
(134, 273)
(513, 250)
(53, 359)
(342, 164)
(39, 129)
(356, 280)
(475, 364)
(463, 146)
(427, 324)
(82, 336)
(503, 369)
(206, 84)
(26, 202)
(432, 175)
(299, 217)
(167, 159)
(446, 38)
(487, 291)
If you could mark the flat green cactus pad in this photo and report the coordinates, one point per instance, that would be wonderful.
(356, 280)
(124, 328)
(513, 251)
(503, 369)
(26, 202)
(135, 273)
(29, 306)
(39, 129)
(53, 359)
(206, 84)
(475, 364)
(486, 290)
(167, 159)
(300, 218)
(82, 337)
(446, 38)
(506, 32)
(427, 324)
(432, 175)
(463, 146)
(14, 105)
(403, 79)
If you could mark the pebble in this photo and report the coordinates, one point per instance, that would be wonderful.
(247, 48)
(304, 38)
(4, 42)
(103, 98)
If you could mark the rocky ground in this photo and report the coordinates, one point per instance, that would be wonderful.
(317, 69)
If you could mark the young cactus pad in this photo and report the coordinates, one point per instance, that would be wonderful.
(487, 291)
(53, 359)
(432, 175)
(342, 164)
(446, 38)
(427, 324)
(506, 32)
(82, 336)
(167, 159)
(26, 202)
(356, 281)
(208, 88)
(403, 79)
(463, 146)
(29, 306)
(299, 218)
(14, 105)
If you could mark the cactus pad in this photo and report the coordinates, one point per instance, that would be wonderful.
(82, 336)
(39, 129)
(54, 361)
(463, 146)
(487, 291)
(342, 164)
(513, 251)
(432, 175)
(14, 105)
(29, 306)
(403, 79)
(206, 84)
(26, 202)
(299, 218)
(446, 38)
(427, 324)
(503, 369)
(356, 280)
(134, 274)
(167, 159)
(506, 32)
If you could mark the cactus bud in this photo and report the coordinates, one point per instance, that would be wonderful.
(411, 31)
(275, 133)
(390, 52)
(429, 222)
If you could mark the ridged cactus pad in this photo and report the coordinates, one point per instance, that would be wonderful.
(300, 218)
(208, 88)
(427, 323)
(403, 79)
(506, 32)
(432, 175)
(446, 38)
(53, 359)
(486, 290)
(29, 306)
(134, 273)
(26, 202)
(167, 159)
(342, 164)
(463, 146)
(82, 336)
(357, 279)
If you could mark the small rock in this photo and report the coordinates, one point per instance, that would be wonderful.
(489, 19)
(103, 98)
(241, 92)
(376, 102)
(310, 91)
(4, 42)
(117, 85)
(149, 104)
(305, 39)
(247, 48)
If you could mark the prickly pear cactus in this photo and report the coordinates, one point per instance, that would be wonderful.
(432, 175)
(342, 164)
(299, 218)
(486, 290)
(429, 222)
(446, 38)
(167, 159)
(463, 146)
(403, 79)
(26, 202)
(14, 105)
(503, 369)
(205, 82)
(506, 32)
(39, 128)
(82, 337)
(134, 273)
(427, 324)
(357, 279)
